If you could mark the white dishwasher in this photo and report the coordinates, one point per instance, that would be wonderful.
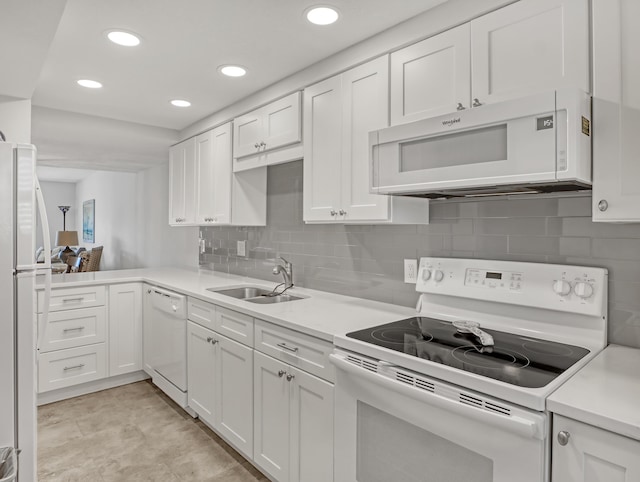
(167, 323)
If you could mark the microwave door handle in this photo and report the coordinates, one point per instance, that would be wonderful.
(518, 425)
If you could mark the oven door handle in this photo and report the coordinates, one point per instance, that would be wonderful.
(530, 428)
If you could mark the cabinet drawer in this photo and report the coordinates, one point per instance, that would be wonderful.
(297, 349)
(71, 298)
(68, 329)
(237, 326)
(64, 368)
(202, 313)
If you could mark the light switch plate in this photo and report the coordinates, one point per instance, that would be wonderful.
(410, 271)
(242, 248)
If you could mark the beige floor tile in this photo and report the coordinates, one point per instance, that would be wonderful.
(132, 433)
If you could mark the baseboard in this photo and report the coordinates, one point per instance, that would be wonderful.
(90, 387)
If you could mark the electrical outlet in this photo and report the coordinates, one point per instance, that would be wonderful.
(242, 248)
(410, 271)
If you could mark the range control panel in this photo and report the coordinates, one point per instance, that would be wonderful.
(566, 288)
(502, 280)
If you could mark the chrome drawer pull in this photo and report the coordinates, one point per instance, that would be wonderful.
(293, 349)
(74, 367)
(78, 328)
(69, 300)
(281, 373)
(290, 377)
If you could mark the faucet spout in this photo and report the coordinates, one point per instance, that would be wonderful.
(286, 269)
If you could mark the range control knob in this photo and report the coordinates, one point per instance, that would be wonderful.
(438, 275)
(583, 290)
(562, 287)
(426, 274)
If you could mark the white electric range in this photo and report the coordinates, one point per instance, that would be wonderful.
(458, 392)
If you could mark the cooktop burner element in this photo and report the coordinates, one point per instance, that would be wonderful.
(514, 359)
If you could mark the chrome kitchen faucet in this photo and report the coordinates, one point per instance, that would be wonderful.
(287, 272)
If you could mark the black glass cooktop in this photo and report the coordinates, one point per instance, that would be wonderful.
(518, 360)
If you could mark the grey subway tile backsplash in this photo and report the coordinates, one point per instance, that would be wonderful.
(366, 261)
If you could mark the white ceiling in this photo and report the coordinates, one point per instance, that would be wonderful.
(183, 43)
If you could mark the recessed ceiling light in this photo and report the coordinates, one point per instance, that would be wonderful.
(180, 103)
(233, 70)
(322, 15)
(121, 37)
(90, 84)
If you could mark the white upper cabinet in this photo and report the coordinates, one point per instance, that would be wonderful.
(432, 77)
(339, 113)
(213, 176)
(204, 190)
(616, 111)
(322, 150)
(259, 137)
(527, 47)
(182, 178)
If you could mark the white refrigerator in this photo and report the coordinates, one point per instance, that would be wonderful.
(20, 202)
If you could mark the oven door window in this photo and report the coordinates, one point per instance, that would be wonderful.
(389, 448)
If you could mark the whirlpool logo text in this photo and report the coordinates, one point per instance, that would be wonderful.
(450, 122)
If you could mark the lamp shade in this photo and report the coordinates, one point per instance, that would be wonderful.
(67, 238)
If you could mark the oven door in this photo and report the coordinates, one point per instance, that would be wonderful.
(393, 424)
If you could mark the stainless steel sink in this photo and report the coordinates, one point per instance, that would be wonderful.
(267, 300)
(242, 293)
(255, 294)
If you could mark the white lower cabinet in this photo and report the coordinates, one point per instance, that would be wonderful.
(125, 328)
(584, 453)
(65, 368)
(220, 379)
(293, 415)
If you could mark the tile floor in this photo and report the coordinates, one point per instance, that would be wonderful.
(132, 433)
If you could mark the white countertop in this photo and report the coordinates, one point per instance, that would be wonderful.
(605, 393)
(319, 314)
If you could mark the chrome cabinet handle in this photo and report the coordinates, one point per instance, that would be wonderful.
(342, 212)
(293, 349)
(78, 328)
(256, 145)
(476, 102)
(75, 300)
(460, 106)
(211, 340)
(290, 377)
(263, 144)
(563, 437)
(603, 205)
(281, 373)
(81, 365)
(333, 212)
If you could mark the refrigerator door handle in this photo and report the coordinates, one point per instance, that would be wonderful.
(42, 212)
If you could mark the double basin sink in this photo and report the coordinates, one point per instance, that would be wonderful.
(254, 294)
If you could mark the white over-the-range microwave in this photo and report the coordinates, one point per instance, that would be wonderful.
(539, 143)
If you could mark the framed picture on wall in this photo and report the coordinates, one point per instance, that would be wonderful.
(89, 221)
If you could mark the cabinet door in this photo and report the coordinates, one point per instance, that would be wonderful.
(247, 134)
(271, 417)
(592, 454)
(182, 176)
(616, 111)
(365, 108)
(281, 122)
(234, 393)
(528, 47)
(201, 368)
(431, 77)
(125, 328)
(322, 150)
(213, 168)
(311, 428)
